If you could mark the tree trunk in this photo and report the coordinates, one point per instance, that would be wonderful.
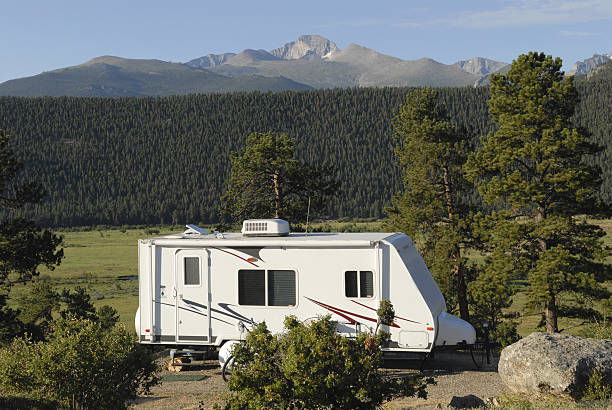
(551, 304)
(551, 316)
(464, 312)
(276, 195)
(447, 194)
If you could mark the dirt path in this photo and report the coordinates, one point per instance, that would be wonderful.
(455, 374)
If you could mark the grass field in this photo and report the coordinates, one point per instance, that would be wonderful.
(101, 261)
(105, 262)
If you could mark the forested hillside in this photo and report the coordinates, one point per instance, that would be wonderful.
(151, 160)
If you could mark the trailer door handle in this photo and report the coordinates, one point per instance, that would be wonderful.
(174, 292)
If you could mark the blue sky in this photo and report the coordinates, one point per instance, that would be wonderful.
(41, 35)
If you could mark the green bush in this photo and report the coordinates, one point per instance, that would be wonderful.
(505, 333)
(312, 366)
(81, 365)
(597, 388)
(598, 330)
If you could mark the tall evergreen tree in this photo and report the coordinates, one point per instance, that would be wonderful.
(431, 153)
(531, 171)
(23, 245)
(268, 182)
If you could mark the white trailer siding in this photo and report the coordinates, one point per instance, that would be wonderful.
(317, 285)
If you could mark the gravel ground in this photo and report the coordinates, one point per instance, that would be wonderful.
(455, 374)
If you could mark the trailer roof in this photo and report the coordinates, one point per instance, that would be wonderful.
(293, 239)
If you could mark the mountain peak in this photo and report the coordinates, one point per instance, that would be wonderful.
(480, 65)
(306, 45)
(586, 66)
(210, 60)
(104, 60)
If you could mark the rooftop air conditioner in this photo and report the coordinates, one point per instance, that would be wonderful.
(265, 227)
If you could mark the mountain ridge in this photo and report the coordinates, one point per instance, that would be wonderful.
(589, 64)
(311, 61)
(111, 76)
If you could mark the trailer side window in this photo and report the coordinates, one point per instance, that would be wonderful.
(281, 288)
(192, 271)
(350, 284)
(366, 284)
(252, 287)
(359, 284)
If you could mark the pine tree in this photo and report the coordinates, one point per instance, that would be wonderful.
(431, 152)
(23, 245)
(267, 182)
(531, 172)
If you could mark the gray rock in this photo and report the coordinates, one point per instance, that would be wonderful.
(466, 402)
(588, 65)
(480, 66)
(554, 363)
(306, 46)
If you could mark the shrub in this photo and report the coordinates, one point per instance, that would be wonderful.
(598, 330)
(81, 365)
(312, 366)
(597, 388)
(107, 316)
(505, 333)
(10, 324)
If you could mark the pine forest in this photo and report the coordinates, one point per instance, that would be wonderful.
(116, 161)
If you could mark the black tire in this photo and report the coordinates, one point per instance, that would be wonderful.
(226, 369)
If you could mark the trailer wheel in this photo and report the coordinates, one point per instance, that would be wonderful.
(226, 371)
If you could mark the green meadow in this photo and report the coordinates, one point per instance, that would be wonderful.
(105, 262)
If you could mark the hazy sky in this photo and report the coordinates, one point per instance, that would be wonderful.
(42, 35)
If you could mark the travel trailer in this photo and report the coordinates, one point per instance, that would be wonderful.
(198, 290)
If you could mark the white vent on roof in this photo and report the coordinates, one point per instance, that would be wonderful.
(265, 227)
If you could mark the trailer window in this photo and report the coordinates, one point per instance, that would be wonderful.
(366, 284)
(251, 287)
(359, 284)
(350, 284)
(192, 271)
(281, 288)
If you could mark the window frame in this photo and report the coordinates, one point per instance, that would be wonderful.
(266, 304)
(374, 287)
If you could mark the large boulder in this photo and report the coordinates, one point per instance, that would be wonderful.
(554, 363)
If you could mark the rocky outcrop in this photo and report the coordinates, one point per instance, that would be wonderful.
(210, 60)
(480, 66)
(554, 363)
(306, 46)
(588, 65)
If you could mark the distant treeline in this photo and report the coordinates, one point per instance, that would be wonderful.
(166, 160)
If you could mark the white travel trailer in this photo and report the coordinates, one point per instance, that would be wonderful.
(199, 290)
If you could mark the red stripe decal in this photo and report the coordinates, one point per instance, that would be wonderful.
(398, 317)
(351, 321)
(342, 312)
(233, 254)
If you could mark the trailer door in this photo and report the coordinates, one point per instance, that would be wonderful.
(192, 281)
